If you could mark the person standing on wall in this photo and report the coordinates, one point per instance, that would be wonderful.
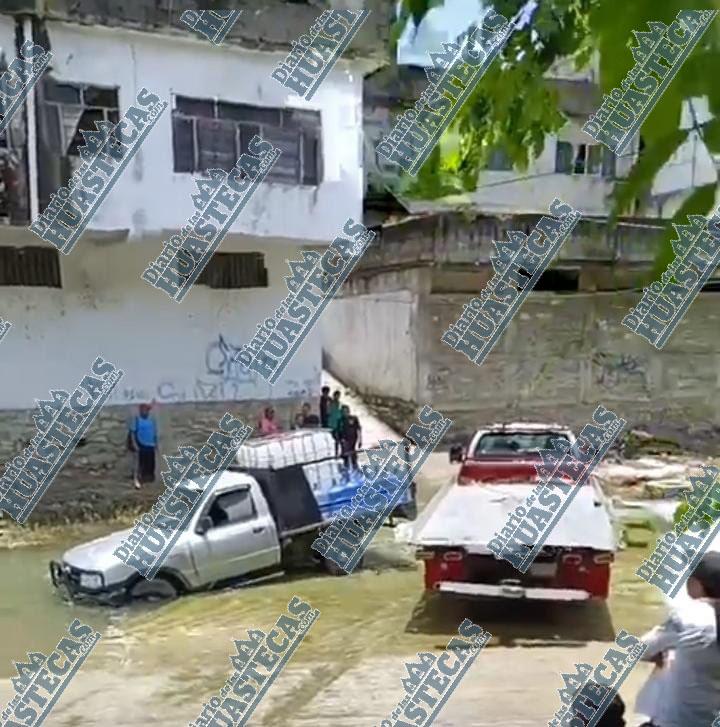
(324, 406)
(143, 440)
(335, 419)
(350, 437)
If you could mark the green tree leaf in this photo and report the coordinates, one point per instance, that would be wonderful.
(698, 203)
(514, 108)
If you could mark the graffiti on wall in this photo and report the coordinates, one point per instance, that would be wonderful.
(620, 369)
(222, 379)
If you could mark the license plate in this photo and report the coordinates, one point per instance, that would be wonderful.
(543, 570)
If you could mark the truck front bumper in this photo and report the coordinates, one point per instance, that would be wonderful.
(486, 590)
(67, 580)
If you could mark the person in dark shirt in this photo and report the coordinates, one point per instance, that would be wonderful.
(324, 406)
(350, 435)
(308, 418)
(614, 715)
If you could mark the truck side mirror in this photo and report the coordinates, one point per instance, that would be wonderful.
(204, 524)
(456, 453)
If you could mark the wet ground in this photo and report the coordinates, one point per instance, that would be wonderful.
(157, 665)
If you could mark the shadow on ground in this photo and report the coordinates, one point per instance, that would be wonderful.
(515, 623)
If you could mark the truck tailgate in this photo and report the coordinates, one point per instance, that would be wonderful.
(470, 515)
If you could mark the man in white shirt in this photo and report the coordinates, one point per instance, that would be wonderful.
(690, 693)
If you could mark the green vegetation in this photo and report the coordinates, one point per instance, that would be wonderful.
(513, 109)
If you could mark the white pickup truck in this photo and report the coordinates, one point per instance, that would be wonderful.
(497, 473)
(261, 517)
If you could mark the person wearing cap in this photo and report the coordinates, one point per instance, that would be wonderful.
(687, 650)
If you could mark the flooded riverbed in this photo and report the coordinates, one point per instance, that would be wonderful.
(169, 659)
(157, 665)
(32, 615)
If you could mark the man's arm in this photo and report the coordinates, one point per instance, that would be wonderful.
(132, 431)
(661, 639)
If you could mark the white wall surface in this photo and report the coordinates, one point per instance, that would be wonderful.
(534, 189)
(691, 165)
(383, 325)
(149, 196)
(7, 38)
(442, 24)
(171, 352)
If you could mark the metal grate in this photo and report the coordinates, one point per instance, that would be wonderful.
(235, 270)
(30, 266)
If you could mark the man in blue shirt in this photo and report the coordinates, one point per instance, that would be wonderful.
(143, 439)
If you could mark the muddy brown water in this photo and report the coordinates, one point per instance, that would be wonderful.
(380, 610)
(171, 657)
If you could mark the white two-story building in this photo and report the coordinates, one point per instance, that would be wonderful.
(68, 309)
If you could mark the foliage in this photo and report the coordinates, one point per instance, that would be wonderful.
(680, 511)
(513, 109)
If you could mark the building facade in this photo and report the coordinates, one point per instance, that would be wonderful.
(572, 165)
(68, 309)
(565, 351)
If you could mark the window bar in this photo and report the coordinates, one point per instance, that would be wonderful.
(196, 146)
(301, 147)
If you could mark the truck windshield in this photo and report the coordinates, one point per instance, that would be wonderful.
(515, 442)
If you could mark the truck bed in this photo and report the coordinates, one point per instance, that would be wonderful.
(468, 516)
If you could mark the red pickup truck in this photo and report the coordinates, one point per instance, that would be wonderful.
(496, 475)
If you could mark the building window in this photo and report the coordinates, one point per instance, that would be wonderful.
(590, 159)
(30, 266)
(499, 161)
(64, 109)
(71, 107)
(211, 134)
(235, 270)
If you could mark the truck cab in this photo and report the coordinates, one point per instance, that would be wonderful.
(259, 519)
(504, 451)
(233, 535)
(497, 473)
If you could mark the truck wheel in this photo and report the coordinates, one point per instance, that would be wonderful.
(160, 588)
(335, 570)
